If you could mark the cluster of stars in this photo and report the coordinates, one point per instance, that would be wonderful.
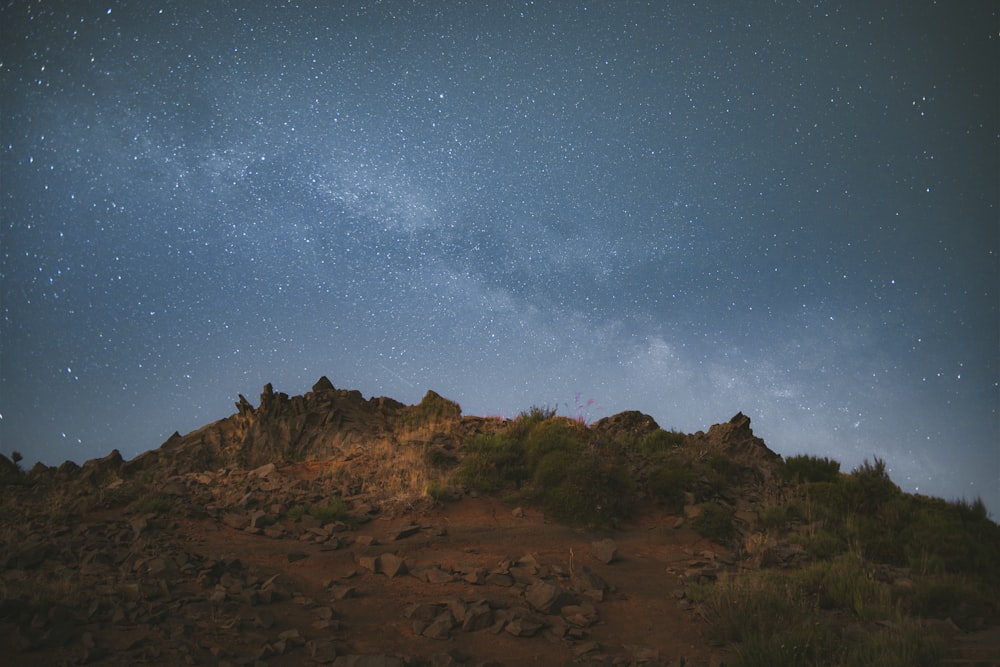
(687, 211)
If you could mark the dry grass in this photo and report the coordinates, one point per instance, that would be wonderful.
(397, 474)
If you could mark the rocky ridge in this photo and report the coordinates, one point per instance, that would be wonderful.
(288, 534)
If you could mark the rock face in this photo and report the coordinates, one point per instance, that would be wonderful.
(631, 422)
(735, 439)
(324, 423)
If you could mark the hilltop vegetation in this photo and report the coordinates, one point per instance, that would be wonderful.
(821, 566)
(894, 573)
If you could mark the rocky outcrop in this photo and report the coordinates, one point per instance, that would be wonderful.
(325, 423)
(735, 439)
(631, 423)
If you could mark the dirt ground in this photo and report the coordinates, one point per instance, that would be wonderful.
(197, 585)
(641, 618)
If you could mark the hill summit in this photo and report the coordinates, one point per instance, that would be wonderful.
(332, 529)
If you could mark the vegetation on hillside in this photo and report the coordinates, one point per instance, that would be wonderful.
(876, 576)
(887, 574)
(554, 462)
(891, 576)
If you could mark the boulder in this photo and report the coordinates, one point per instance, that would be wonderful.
(391, 565)
(605, 551)
(548, 598)
(524, 625)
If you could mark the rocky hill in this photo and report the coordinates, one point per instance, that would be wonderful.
(333, 529)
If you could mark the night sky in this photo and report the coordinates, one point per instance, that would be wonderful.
(690, 209)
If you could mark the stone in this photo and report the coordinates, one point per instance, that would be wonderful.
(392, 565)
(343, 592)
(404, 530)
(581, 615)
(370, 563)
(440, 627)
(423, 611)
(503, 580)
(322, 650)
(583, 648)
(589, 583)
(547, 598)
(605, 551)
(524, 626)
(478, 616)
(434, 575)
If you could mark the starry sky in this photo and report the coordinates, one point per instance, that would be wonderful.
(690, 209)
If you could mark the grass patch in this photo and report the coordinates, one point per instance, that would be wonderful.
(661, 441)
(774, 517)
(152, 504)
(820, 616)
(715, 522)
(432, 409)
(335, 509)
(437, 490)
(806, 468)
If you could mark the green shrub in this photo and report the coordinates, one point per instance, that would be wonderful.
(335, 509)
(659, 441)
(553, 435)
(493, 463)
(947, 537)
(437, 457)
(974, 511)
(715, 522)
(868, 488)
(740, 608)
(152, 504)
(726, 472)
(819, 543)
(902, 644)
(553, 469)
(668, 482)
(845, 583)
(823, 501)
(774, 516)
(773, 620)
(527, 420)
(437, 490)
(551, 461)
(583, 488)
(807, 468)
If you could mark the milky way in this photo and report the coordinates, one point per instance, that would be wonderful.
(687, 209)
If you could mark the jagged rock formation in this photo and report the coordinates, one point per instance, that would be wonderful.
(736, 440)
(325, 423)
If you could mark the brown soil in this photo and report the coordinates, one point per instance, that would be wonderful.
(642, 612)
(199, 584)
